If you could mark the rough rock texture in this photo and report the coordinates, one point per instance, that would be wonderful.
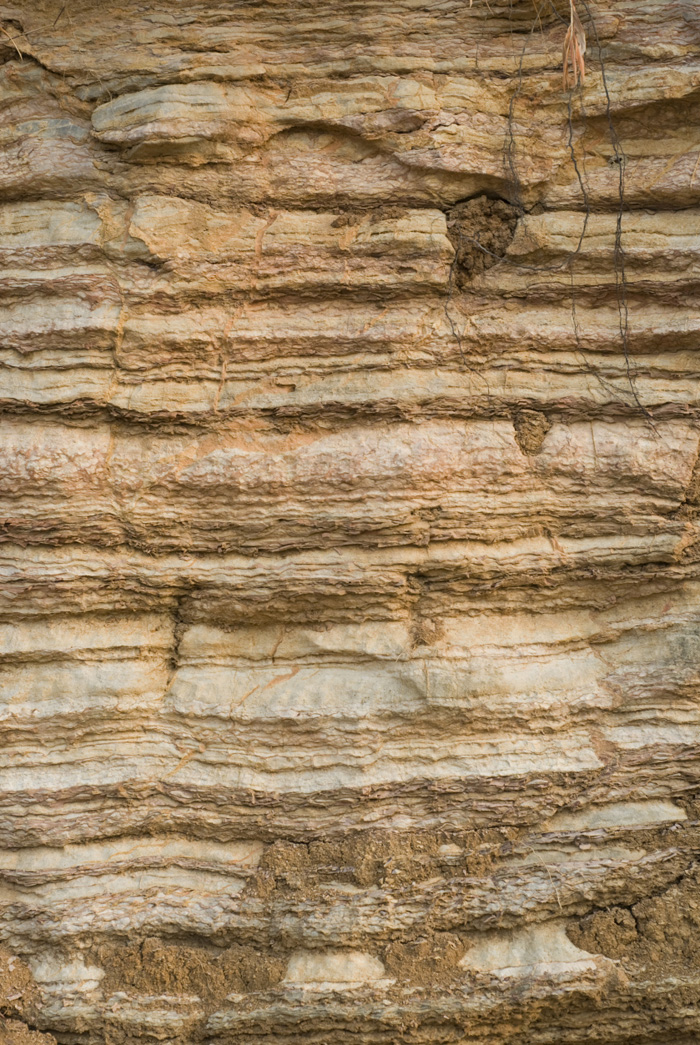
(349, 486)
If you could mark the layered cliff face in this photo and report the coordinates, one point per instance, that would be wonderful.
(350, 590)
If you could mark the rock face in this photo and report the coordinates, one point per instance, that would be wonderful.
(350, 595)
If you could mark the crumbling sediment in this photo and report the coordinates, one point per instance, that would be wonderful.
(349, 498)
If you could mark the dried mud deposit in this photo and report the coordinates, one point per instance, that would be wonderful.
(350, 573)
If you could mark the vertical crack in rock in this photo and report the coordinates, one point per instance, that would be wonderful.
(349, 571)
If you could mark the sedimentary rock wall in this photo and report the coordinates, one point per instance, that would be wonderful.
(348, 481)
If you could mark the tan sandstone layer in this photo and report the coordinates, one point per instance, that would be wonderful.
(349, 491)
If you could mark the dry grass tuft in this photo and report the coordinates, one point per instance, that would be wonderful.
(574, 50)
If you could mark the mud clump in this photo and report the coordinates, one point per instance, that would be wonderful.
(14, 1032)
(156, 967)
(431, 961)
(18, 992)
(531, 427)
(388, 859)
(612, 933)
(426, 632)
(18, 1002)
(658, 932)
(366, 859)
(480, 231)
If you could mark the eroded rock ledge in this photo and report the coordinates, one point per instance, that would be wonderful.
(349, 491)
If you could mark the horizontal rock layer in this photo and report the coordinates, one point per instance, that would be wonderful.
(349, 491)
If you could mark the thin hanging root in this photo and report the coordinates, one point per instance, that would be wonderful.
(12, 41)
(574, 50)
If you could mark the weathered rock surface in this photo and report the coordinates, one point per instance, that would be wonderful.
(349, 492)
